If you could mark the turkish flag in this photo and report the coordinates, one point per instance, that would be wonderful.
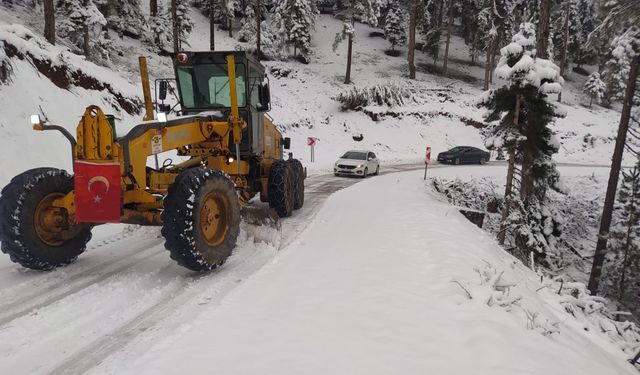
(98, 190)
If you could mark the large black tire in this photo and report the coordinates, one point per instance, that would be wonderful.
(280, 186)
(24, 235)
(298, 195)
(201, 219)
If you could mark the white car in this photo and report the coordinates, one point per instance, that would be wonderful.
(357, 163)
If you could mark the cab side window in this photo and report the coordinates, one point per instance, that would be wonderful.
(255, 79)
(373, 156)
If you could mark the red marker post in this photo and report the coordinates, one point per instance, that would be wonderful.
(311, 141)
(427, 160)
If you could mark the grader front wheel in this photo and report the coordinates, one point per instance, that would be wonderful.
(201, 219)
(33, 232)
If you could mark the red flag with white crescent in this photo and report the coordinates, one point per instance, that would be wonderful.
(98, 191)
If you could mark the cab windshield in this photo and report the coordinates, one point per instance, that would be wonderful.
(355, 155)
(207, 86)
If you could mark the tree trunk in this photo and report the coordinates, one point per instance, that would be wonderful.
(230, 23)
(347, 78)
(85, 44)
(489, 62)
(502, 234)
(437, 51)
(563, 61)
(412, 39)
(446, 48)
(590, 102)
(153, 7)
(258, 21)
(509, 184)
(607, 211)
(49, 22)
(176, 26)
(212, 25)
(543, 30)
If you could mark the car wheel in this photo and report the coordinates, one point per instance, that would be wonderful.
(365, 173)
(456, 161)
(483, 161)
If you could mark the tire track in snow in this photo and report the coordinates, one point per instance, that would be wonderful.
(76, 282)
(176, 300)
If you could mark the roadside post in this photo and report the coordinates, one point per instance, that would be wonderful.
(311, 141)
(427, 160)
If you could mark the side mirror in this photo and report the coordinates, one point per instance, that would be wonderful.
(286, 143)
(164, 85)
(369, 158)
(264, 95)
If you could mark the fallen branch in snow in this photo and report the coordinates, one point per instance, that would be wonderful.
(463, 288)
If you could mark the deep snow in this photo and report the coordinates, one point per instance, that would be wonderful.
(369, 288)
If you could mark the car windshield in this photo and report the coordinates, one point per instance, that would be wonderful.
(355, 155)
(456, 149)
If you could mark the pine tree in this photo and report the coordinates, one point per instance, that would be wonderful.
(160, 28)
(123, 16)
(182, 23)
(395, 25)
(430, 26)
(296, 19)
(80, 21)
(622, 276)
(616, 70)
(249, 25)
(520, 115)
(368, 11)
(49, 22)
(594, 88)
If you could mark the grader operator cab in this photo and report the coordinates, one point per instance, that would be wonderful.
(231, 152)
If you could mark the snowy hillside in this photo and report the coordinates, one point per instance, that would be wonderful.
(303, 104)
(371, 276)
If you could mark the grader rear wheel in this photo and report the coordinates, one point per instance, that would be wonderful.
(281, 188)
(201, 219)
(298, 195)
(33, 232)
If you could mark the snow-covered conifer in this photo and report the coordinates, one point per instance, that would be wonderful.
(622, 266)
(80, 21)
(616, 69)
(249, 29)
(520, 115)
(395, 28)
(594, 88)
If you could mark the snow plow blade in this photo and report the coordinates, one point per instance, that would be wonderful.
(260, 216)
(262, 225)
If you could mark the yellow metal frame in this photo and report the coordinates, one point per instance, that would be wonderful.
(207, 142)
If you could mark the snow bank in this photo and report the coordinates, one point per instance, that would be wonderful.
(376, 286)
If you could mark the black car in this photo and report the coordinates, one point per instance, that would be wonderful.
(464, 155)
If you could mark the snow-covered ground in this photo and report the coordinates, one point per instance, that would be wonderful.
(372, 279)
(370, 288)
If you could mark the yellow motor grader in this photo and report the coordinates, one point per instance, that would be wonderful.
(229, 148)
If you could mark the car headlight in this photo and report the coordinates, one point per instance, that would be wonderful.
(360, 165)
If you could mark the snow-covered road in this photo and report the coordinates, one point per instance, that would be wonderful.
(124, 286)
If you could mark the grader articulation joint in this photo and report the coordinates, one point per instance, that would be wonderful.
(231, 152)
